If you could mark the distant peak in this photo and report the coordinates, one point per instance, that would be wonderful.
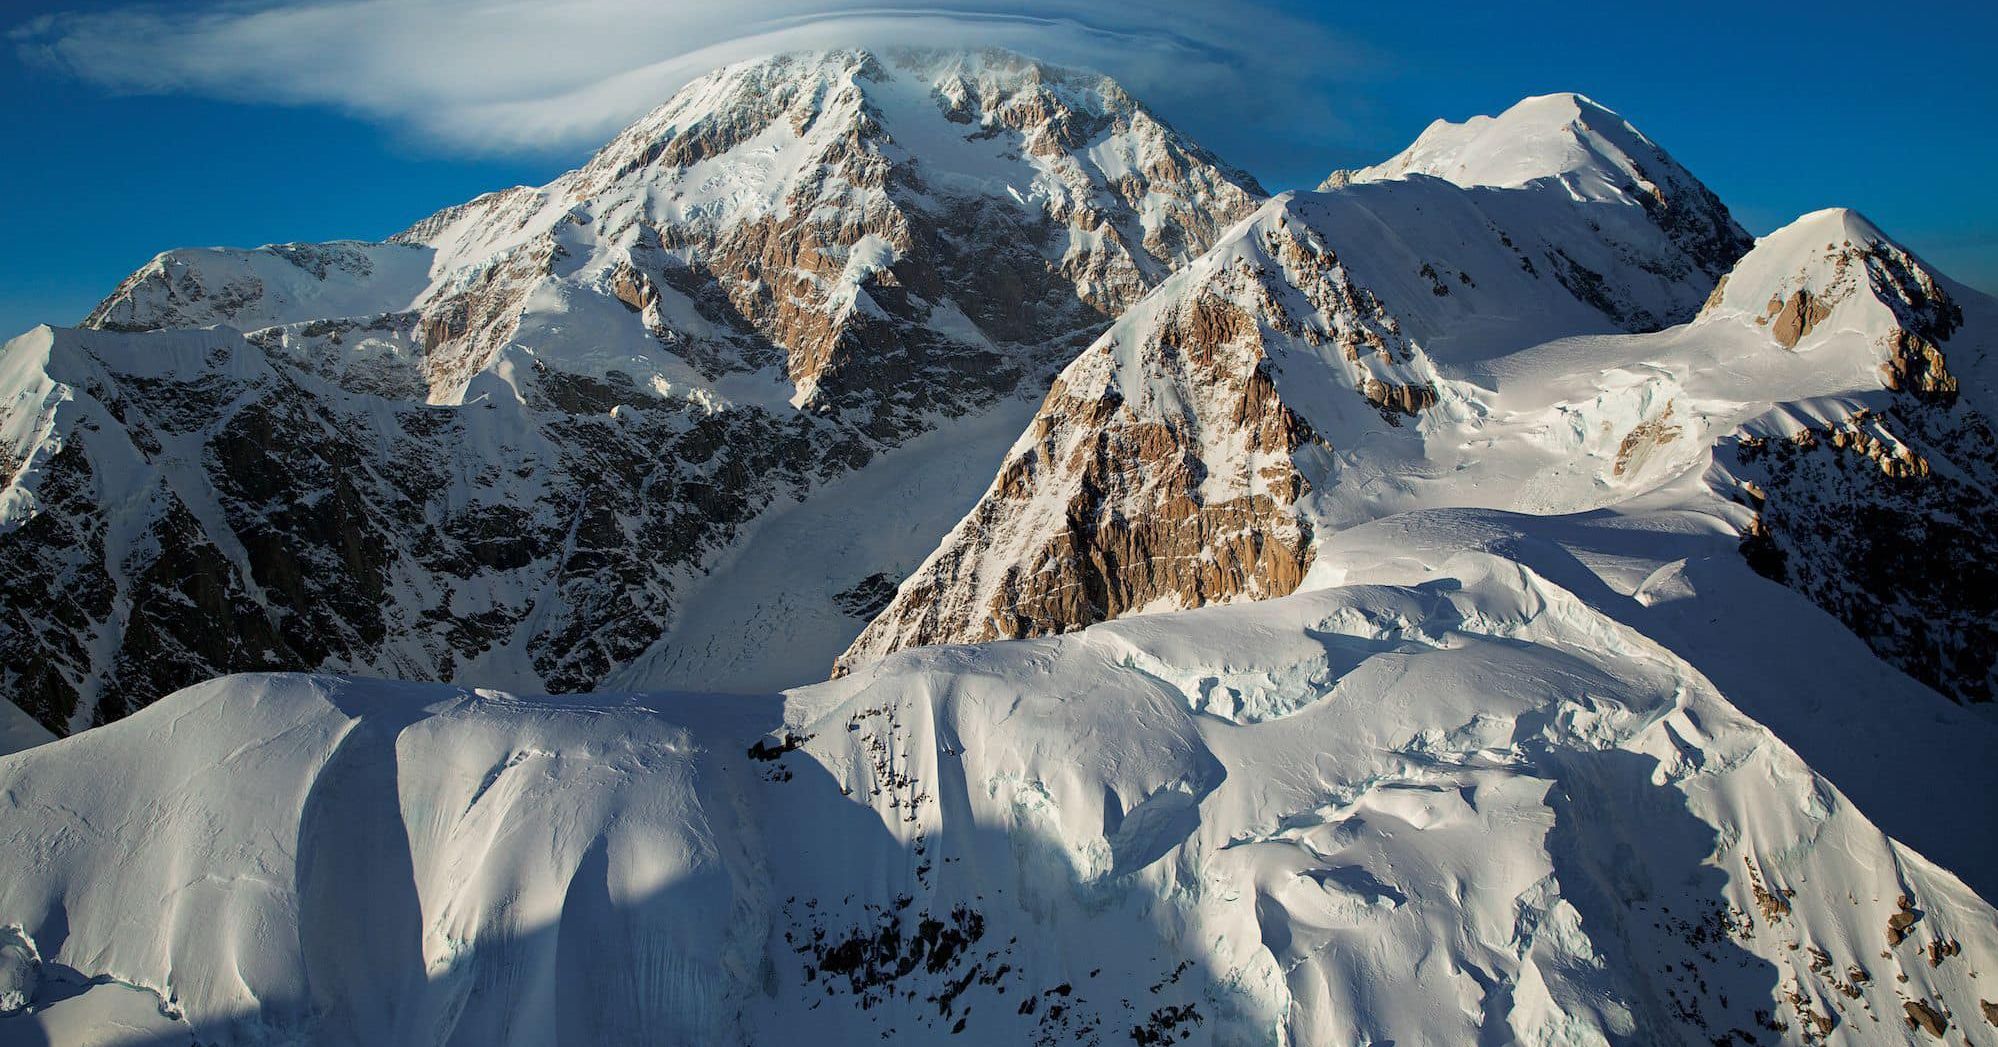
(1592, 153)
(1543, 136)
(1835, 270)
(1842, 223)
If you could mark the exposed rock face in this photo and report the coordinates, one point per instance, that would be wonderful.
(504, 447)
(1790, 321)
(1856, 518)
(1173, 463)
(1882, 514)
(1114, 508)
(211, 510)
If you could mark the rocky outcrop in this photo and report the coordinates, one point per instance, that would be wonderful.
(1116, 510)
(1880, 515)
(1643, 439)
(1856, 518)
(1791, 320)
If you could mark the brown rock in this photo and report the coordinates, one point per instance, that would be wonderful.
(1926, 1018)
(1898, 924)
(1915, 365)
(1641, 441)
(1797, 317)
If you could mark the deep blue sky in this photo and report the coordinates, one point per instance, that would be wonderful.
(1888, 108)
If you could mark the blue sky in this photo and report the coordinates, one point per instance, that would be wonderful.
(131, 129)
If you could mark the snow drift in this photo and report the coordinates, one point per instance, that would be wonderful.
(1470, 809)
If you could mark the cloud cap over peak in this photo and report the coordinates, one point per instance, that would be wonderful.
(499, 76)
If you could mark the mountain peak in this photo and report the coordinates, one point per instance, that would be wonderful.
(1593, 152)
(1543, 136)
(1834, 270)
(893, 97)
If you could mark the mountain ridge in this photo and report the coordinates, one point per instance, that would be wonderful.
(1370, 287)
(1489, 600)
(671, 351)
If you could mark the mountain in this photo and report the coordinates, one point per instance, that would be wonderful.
(790, 319)
(1490, 599)
(1879, 505)
(1584, 148)
(1299, 380)
(1176, 460)
(1470, 809)
(1291, 412)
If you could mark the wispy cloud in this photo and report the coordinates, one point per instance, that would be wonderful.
(527, 75)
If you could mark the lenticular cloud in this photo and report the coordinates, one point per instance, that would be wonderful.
(490, 76)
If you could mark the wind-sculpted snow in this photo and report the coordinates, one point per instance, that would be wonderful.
(1473, 809)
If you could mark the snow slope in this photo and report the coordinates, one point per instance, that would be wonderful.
(1472, 809)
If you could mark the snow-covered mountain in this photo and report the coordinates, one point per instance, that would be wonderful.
(1171, 464)
(1490, 599)
(790, 319)
(1300, 379)
(1880, 502)
(1275, 418)
(1588, 150)
(1473, 809)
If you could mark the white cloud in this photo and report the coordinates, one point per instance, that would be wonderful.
(535, 75)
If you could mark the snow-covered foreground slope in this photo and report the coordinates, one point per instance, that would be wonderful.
(1473, 809)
